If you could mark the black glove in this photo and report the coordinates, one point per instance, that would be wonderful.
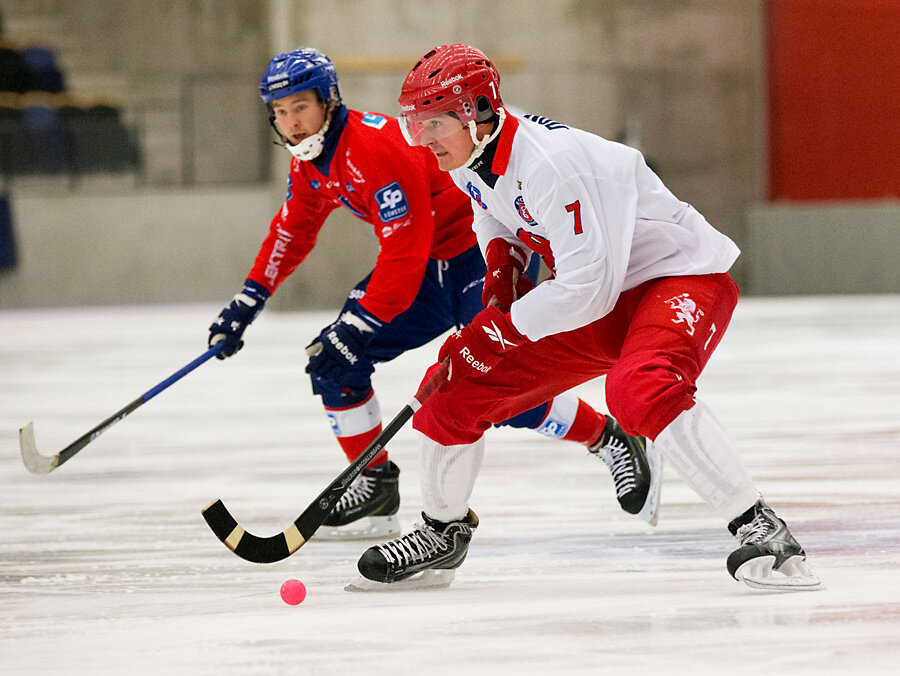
(341, 344)
(236, 317)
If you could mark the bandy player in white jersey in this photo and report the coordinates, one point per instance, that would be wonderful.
(640, 293)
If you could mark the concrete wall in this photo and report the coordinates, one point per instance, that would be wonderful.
(167, 246)
(823, 248)
(183, 246)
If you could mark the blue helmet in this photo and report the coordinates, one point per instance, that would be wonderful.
(297, 71)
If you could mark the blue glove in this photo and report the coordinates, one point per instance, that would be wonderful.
(341, 344)
(236, 317)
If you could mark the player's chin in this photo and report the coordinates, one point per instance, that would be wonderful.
(446, 162)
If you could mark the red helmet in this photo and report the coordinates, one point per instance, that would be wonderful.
(454, 79)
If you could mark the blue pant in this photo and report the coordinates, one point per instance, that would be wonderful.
(449, 297)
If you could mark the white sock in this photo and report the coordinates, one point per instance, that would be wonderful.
(448, 477)
(354, 420)
(708, 460)
(560, 417)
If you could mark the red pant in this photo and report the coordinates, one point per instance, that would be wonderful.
(651, 347)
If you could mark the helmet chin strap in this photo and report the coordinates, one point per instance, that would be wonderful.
(483, 143)
(311, 147)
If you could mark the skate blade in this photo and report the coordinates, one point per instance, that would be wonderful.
(793, 575)
(368, 528)
(650, 511)
(427, 579)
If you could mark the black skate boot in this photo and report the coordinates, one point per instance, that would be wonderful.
(769, 557)
(636, 468)
(369, 507)
(426, 557)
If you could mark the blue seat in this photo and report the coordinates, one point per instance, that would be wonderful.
(16, 156)
(43, 73)
(46, 138)
(13, 74)
(8, 254)
(99, 140)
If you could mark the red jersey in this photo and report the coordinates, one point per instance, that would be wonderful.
(369, 168)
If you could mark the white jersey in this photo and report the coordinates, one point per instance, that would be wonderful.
(603, 221)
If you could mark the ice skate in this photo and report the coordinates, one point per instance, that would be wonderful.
(636, 466)
(426, 557)
(368, 509)
(769, 557)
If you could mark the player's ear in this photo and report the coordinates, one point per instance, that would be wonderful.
(484, 129)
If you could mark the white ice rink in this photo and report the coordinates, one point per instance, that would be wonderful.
(106, 566)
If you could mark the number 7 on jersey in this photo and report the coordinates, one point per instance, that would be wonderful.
(575, 209)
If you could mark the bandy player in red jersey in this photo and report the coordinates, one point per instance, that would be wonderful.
(640, 293)
(429, 277)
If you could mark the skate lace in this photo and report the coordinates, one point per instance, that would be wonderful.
(416, 546)
(617, 457)
(754, 532)
(360, 490)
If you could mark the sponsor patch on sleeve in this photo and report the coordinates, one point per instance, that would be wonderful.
(374, 120)
(391, 203)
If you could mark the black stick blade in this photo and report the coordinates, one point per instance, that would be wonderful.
(246, 545)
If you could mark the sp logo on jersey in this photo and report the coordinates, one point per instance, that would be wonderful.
(391, 203)
(523, 211)
(475, 193)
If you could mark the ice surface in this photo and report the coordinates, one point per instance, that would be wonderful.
(106, 566)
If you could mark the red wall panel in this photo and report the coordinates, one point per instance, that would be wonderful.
(834, 99)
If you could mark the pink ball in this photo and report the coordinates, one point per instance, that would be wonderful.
(293, 592)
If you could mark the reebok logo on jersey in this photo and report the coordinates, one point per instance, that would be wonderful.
(495, 335)
(474, 363)
(355, 173)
